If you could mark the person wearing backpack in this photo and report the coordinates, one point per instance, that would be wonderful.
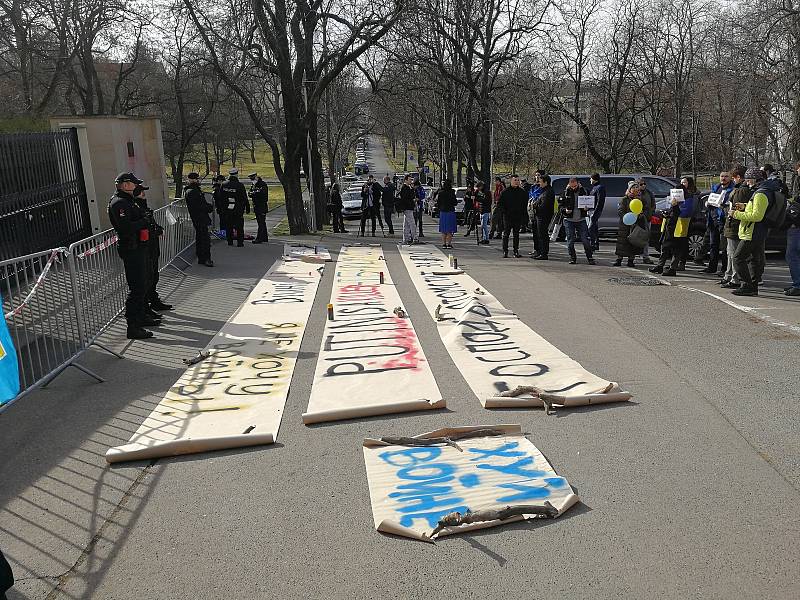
(793, 239)
(748, 259)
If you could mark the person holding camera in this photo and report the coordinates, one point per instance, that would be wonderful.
(335, 206)
(259, 195)
(133, 233)
(236, 203)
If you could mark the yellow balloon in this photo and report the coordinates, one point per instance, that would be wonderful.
(635, 206)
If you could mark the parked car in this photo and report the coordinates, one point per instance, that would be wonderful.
(349, 177)
(351, 204)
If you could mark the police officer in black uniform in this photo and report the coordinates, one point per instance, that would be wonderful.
(154, 302)
(132, 227)
(199, 211)
(259, 194)
(219, 201)
(236, 204)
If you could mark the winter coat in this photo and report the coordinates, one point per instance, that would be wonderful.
(513, 204)
(484, 202)
(569, 203)
(408, 198)
(677, 220)
(545, 204)
(196, 203)
(446, 200)
(624, 247)
(599, 193)
(648, 204)
(741, 193)
(751, 225)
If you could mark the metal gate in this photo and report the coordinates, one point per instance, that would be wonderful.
(42, 194)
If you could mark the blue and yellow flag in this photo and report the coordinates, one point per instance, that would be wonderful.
(9, 369)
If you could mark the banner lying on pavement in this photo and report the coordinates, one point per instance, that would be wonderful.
(457, 479)
(235, 396)
(496, 352)
(370, 360)
(307, 253)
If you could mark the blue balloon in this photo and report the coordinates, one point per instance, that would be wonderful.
(629, 218)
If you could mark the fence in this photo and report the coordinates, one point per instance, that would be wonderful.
(58, 302)
(42, 195)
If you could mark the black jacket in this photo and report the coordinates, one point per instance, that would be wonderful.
(513, 204)
(545, 203)
(408, 198)
(388, 196)
(485, 201)
(377, 191)
(128, 220)
(234, 196)
(199, 209)
(446, 200)
(569, 201)
(259, 194)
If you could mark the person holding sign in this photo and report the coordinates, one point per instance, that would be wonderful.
(715, 218)
(675, 229)
(576, 203)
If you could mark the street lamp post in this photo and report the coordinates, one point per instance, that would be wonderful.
(312, 213)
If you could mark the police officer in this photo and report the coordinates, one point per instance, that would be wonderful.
(219, 200)
(259, 194)
(152, 298)
(131, 224)
(199, 211)
(236, 204)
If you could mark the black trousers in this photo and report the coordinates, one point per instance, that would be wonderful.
(136, 274)
(153, 254)
(714, 237)
(676, 250)
(749, 261)
(368, 213)
(338, 220)
(202, 244)
(262, 235)
(6, 576)
(542, 223)
(234, 220)
(511, 227)
(387, 216)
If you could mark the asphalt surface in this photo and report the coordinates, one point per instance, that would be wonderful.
(691, 490)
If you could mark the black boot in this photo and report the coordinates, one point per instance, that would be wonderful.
(160, 305)
(137, 333)
(659, 268)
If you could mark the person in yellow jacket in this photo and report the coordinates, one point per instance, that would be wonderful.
(748, 257)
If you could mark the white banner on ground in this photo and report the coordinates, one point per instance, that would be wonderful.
(235, 396)
(415, 489)
(370, 360)
(307, 253)
(493, 348)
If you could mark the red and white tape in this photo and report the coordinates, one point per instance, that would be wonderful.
(42, 275)
(94, 250)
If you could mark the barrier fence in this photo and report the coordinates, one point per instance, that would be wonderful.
(58, 302)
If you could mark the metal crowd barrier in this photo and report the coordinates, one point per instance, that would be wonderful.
(58, 302)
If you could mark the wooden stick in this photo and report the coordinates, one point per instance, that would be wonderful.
(456, 519)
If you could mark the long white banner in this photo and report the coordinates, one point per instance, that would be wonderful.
(495, 350)
(370, 360)
(235, 396)
(461, 478)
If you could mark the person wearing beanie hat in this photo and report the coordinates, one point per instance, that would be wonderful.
(199, 211)
(624, 248)
(748, 259)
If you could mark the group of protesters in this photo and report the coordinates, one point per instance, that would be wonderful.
(747, 204)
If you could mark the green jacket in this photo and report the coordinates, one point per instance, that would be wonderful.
(753, 213)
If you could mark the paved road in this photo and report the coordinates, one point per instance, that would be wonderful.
(691, 490)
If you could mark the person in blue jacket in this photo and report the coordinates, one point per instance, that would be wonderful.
(715, 221)
(599, 192)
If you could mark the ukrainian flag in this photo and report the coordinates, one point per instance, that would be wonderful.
(9, 369)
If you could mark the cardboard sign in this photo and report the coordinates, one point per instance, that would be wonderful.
(586, 202)
(676, 194)
(413, 487)
(716, 200)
